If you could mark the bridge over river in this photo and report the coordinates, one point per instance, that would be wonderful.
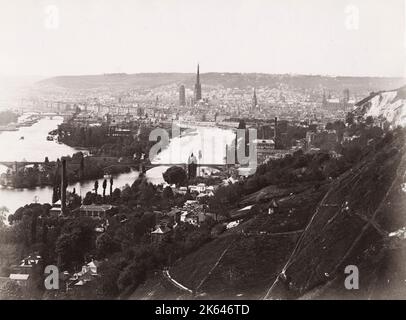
(20, 164)
(141, 166)
(184, 165)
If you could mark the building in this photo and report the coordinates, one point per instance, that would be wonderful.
(198, 87)
(96, 211)
(254, 100)
(92, 267)
(160, 233)
(189, 217)
(182, 190)
(83, 281)
(28, 272)
(346, 96)
(344, 103)
(264, 148)
(190, 212)
(174, 215)
(273, 207)
(310, 136)
(182, 96)
(117, 131)
(23, 280)
(56, 209)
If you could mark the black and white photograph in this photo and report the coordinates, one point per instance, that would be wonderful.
(216, 150)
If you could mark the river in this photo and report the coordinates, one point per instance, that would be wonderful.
(34, 147)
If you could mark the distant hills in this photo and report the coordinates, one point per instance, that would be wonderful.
(123, 81)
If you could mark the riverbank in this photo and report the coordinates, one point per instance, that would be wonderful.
(79, 168)
(35, 148)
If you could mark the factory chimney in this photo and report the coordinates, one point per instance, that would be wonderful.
(275, 132)
(63, 187)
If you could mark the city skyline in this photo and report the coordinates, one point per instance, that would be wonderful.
(358, 38)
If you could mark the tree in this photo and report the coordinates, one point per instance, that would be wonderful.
(75, 242)
(349, 118)
(105, 245)
(104, 187)
(11, 290)
(111, 186)
(34, 221)
(126, 194)
(64, 248)
(167, 193)
(82, 166)
(89, 198)
(74, 200)
(132, 276)
(107, 283)
(3, 212)
(116, 194)
(55, 194)
(175, 175)
(96, 186)
(147, 193)
(241, 124)
(217, 204)
(46, 160)
(369, 120)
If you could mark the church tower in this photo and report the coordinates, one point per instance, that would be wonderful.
(198, 86)
(254, 100)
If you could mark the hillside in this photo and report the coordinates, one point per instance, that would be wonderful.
(390, 105)
(301, 250)
(352, 225)
(125, 81)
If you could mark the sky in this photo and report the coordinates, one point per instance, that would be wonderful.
(329, 37)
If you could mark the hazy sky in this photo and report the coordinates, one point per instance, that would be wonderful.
(337, 37)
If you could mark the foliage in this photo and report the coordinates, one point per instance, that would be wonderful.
(175, 175)
(76, 240)
(3, 211)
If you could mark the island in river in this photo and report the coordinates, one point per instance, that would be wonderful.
(111, 154)
(47, 173)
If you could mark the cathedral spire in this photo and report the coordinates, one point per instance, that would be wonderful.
(198, 86)
(254, 99)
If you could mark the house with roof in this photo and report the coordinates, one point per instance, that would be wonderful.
(273, 207)
(27, 270)
(96, 211)
(203, 216)
(174, 214)
(201, 188)
(159, 233)
(56, 209)
(92, 267)
(22, 279)
(192, 212)
(88, 273)
(189, 217)
(182, 190)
